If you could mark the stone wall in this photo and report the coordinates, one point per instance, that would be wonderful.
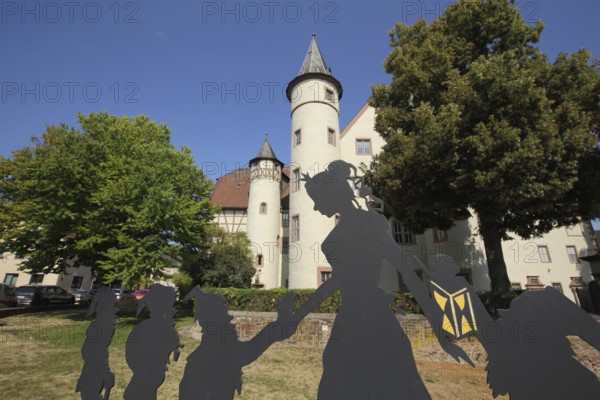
(315, 329)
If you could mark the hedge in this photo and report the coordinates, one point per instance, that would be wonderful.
(266, 300)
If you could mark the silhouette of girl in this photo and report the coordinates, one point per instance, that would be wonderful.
(214, 370)
(150, 344)
(96, 374)
(368, 355)
(529, 355)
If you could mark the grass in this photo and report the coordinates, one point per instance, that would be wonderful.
(41, 360)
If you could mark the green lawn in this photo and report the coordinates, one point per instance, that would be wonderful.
(41, 360)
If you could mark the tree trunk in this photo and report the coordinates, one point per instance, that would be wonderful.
(492, 241)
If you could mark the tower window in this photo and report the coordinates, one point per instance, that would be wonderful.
(263, 208)
(330, 136)
(363, 147)
(295, 228)
(296, 183)
(259, 260)
(328, 94)
(297, 137)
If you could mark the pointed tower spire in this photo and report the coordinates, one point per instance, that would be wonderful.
(314, 61)
(266, 152)
(314, 67)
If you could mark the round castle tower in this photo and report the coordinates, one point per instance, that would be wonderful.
(264, 214)
(314, 96)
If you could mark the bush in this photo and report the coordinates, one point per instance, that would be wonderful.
(261, 300)
(267, 300)
(183, 282)
(498, 301)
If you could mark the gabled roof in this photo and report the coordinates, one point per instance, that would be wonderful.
(356, 117)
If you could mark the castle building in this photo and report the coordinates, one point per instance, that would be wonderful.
(268, 201)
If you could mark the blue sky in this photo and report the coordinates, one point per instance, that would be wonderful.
(213, 71)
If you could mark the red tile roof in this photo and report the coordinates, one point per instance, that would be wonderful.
(232, 190)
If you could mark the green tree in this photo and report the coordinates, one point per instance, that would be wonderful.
(224, 261)
(477, 119)
(116, 197)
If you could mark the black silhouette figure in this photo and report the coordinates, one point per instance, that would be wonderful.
(529, 355)
(214, 370)
(368, 355)
(150, 344)
(96, 374)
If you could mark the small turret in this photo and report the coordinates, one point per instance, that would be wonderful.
(264, 214)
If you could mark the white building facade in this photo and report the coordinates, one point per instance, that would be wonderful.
(269, 203)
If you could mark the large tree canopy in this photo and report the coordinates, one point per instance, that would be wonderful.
(117, 197)
(224, 261)
(477, 119)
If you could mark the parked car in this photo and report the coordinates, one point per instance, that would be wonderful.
(140, 293)
(122, 293)
(42, 295)
(7, 296)
(83, 296)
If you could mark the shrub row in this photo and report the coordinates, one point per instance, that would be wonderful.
(267, 300)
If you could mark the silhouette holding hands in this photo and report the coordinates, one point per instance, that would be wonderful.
(529, 355)
(368, 355)
(96, 374)
(214, 369)
(151, 343)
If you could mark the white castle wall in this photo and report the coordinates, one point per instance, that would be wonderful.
(466, 246)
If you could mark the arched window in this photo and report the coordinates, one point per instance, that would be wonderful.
(263, 208)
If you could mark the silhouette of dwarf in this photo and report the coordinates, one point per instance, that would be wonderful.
(150, 344)
(529, 355)
(214, 370)
(96, 374)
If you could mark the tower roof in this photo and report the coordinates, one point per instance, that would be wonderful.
(314, 61)
(266, 152)
(314, 67)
